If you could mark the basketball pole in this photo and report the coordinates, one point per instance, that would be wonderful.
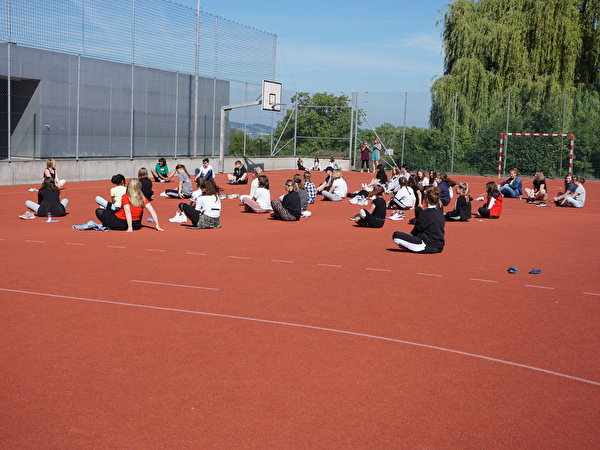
(223, 135)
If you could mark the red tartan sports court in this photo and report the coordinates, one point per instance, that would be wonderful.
(317, 333)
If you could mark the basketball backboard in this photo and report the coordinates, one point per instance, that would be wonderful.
(271, 96)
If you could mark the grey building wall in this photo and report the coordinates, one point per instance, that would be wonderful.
(81, 108)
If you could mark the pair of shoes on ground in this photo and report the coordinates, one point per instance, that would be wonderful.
(27, 215)
(359, 200)
(398, 215)
(179, 218)
(514, 270)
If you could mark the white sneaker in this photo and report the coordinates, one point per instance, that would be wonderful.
(182, 218)
(176, 218)
(306, 214)
(163, 194)
(162, 180)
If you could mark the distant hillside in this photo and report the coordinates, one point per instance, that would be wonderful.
(253, 129)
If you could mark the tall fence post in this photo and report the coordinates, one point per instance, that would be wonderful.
(454, 132)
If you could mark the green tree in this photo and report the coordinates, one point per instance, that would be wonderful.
(541, 51)
(322, 123)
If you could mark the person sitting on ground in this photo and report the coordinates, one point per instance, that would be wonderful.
(300, 164)
(513, 187)
(326, 185)
(206, 212)
(462, 209)
(422, 179)
(239, 175)
(394, 182)
(146, 183)
(493, 204)
(381, 178)
(129, 217)
(539, 188)
(333, 164)
(161, 171)
(299, 186)
(256, 172)
(404, 172)
(49, 201)
(184, 186)
(316, 164)
(260, 203)
(289, 209)
(206, 171)
(432, 178)
(413, 183)
(51, 172)
(427, 236)
(568, 189)
(577, 198)
(374, 217)
(405, 197)
(116, 193)
(445, 184)
(339, 188)
(310, 187)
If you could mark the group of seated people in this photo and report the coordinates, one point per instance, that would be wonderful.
(425, 195)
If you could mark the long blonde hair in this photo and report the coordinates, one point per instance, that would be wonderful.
(134, 192)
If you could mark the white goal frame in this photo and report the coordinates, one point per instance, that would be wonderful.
(503, 136)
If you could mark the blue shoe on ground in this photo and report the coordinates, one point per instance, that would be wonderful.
(512, 270)
(535, 271)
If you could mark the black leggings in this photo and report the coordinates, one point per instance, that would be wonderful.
(110, 220)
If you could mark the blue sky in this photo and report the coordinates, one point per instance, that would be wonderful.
(346, 46)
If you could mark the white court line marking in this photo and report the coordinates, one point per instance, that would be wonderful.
(35, 242)
(115, 246)
(591, 293)
(329, 265)
(311, 327)
(539, 287)
(483, 281)
(155, 250)
(378, 270)
(192, 253)
(239, 257)
(74, 243)
(430, 274)
(175, 285)
(282, 261)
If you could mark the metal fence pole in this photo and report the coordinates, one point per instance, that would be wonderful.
(196, 69)
(403, 130)
(176, 114)
(506, 136)
(454, 132)
(131, 122)
(9, 90)
(78, 113)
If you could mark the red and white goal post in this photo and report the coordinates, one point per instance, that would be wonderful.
(501, 151)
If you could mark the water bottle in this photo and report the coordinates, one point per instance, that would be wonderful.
(49, 217)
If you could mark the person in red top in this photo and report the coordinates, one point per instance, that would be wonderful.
(493, 205)
(129, 217)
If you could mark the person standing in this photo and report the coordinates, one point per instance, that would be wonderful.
(365, 154)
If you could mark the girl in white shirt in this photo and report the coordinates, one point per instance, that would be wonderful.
(260, 202)
(339, 188)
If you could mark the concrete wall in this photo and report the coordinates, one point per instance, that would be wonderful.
(30, 172)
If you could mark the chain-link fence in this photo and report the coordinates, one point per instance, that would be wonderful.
(446, 132)
(120, 79)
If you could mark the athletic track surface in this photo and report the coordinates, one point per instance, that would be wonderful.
(312, 334)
